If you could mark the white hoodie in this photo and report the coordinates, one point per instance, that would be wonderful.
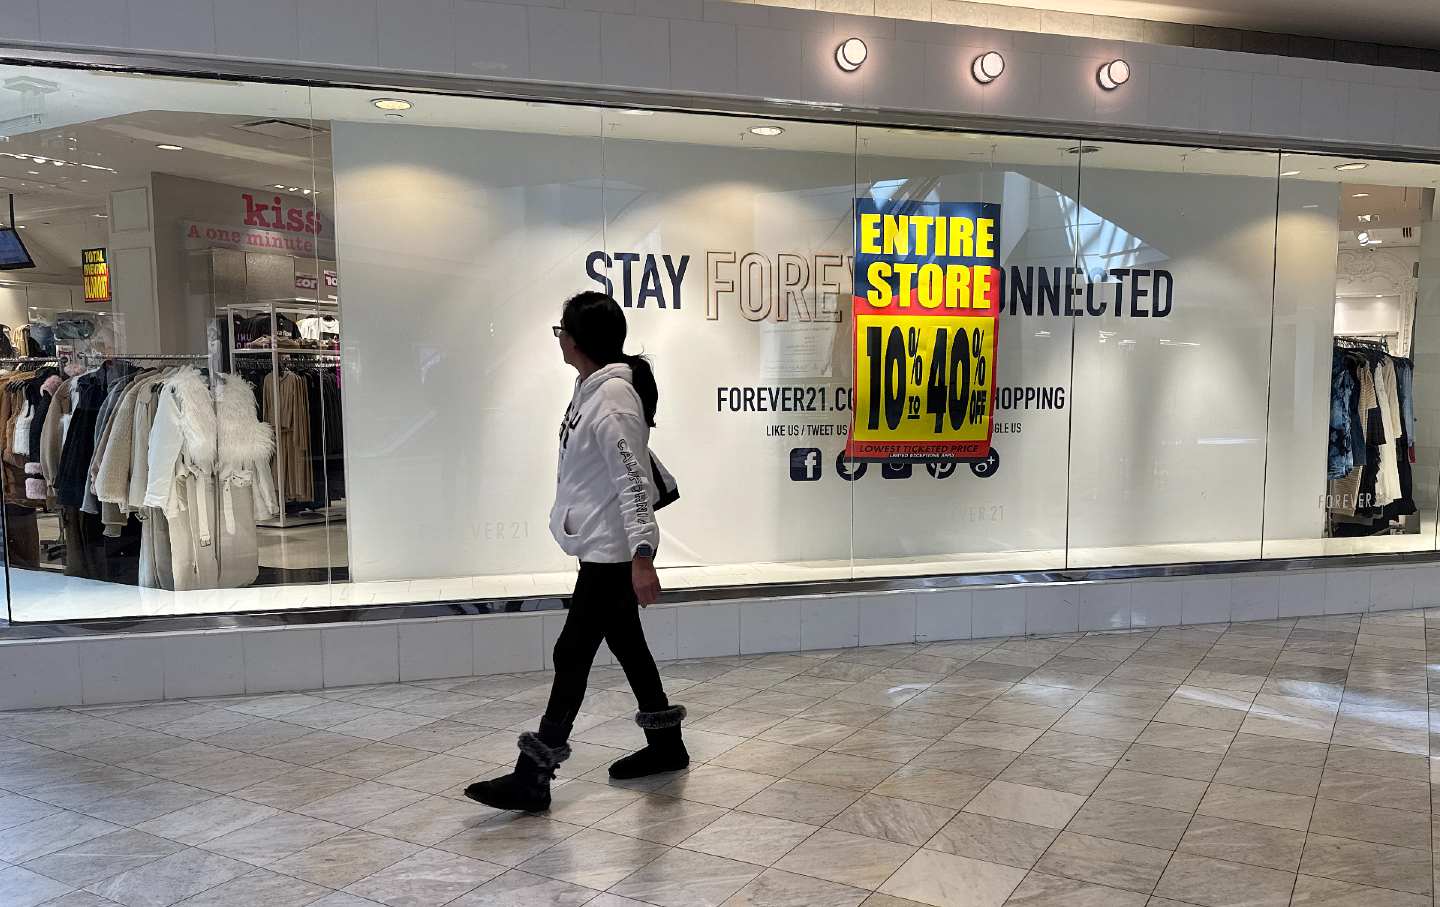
(605, 494)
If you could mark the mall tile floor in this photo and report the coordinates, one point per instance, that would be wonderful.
(1253, 764)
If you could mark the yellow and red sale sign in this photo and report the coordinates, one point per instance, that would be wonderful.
(927, 307)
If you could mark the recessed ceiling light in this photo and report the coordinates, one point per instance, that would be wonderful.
(1363, 236)
(987, 67)
(1309, 206)
(1361, 195)
(102, 215)
(168, 147)
(767, 131)
(1113, 74)
(1290, 173)
(33, 172)
(851, 54)
(1346, 168)
(278, 186)
(391, 104)
(638, 113)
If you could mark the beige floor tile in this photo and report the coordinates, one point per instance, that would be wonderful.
(1117, 864)
(1023, 714)
(522, 889)
(1044, 890)
(994, 735)
(800, 801)
(1213, 883)
(1386, 763)
(663, 820)
(981, 761)
(1379, 865)
(1263, 807)
(900, 821)
(1020, 803)
(1096, 724)
(1195, 715)
(854, 860)
(717, 786)
(765, 757)
(1179, 736)
(1135, 824)
(1239, 771)
(775, 888)
(1162, 760)
(274, 838)
(1123, 706)
(993, 840)
(102, 857)
(878, 744)
(1275, 749)
(586, 802)
(428, 877)
(841, 770)
(1312, 891)
(946, 880)
(1079, 748)
(1370, 790)
(1244, 842)
(593, 858)
(804, 732)
(684, 878)
(170, 879)
(749, 837)
(508, 839)
(1375, 824)
(930, 785)
(344, 859)
(1144, 789)
(1055, 774)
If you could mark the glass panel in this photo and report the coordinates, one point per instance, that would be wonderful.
(461, 224)
(1355, 461)
(979, 517)
(146, 206)
(1172, 360)
(750, 346)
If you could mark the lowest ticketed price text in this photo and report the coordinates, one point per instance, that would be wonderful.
(926, 306)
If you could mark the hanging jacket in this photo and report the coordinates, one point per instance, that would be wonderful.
(605, 492)
(209, 474)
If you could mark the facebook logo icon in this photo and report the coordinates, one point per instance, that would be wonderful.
(805, 464)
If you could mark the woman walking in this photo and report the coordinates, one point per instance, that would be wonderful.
(604, 515)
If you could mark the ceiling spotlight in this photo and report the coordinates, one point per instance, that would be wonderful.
(304, 191)
(167, 147)
(1365, 218)
(851, 54)
(391, 104)
(638, 113)
(1361, 195)
(1363, 236)
(1289, 172)
(767, 131)
(1346, 168)
(278, 186)
(1113, 74)
(988, 67)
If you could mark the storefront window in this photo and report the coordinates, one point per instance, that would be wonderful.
(1172, 352)
(270, 347)
(1354, 457)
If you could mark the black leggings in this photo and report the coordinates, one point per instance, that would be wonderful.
(602, 607)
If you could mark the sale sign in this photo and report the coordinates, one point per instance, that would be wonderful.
(926, 306)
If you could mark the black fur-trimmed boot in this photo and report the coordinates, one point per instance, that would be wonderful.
(664, 752)
(527, 788)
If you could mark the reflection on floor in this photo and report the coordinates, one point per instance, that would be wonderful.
(1275, 763)
(41, 595)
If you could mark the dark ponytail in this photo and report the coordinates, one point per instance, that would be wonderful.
(596, 323)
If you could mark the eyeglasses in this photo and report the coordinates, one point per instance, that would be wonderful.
(557, 329)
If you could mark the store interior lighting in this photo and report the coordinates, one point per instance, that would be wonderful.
(767, 131)
(391, 104)
(988, 67)
(1113, 74)
(851, 54)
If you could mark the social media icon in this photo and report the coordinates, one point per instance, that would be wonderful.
(849, 469)
(941, 469)
(896, 469)
(805, 464)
